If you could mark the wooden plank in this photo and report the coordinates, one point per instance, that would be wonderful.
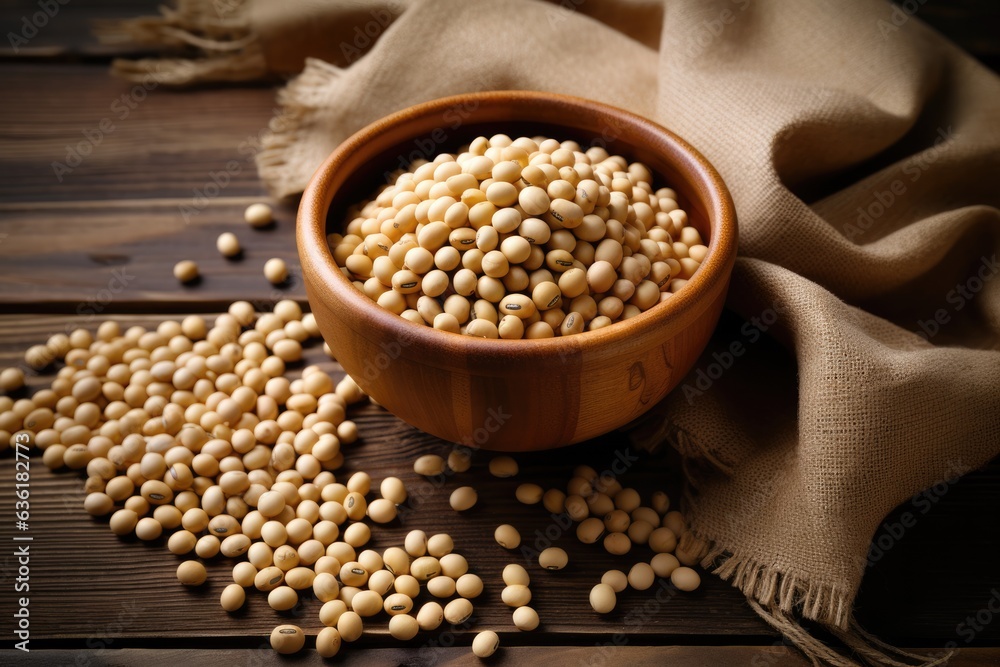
(102, 258)
(84, 578)
(73, 132)
(144, 198)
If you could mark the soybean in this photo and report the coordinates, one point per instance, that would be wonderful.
(529, 494)
(233, 597)
(228, 245)
(403, 627)
(276, 271)
(191, 573)
(485, 644)
(602, 598)
(525, 618)
(430, 616)
(287, 639)
(463, 498)
(553, 558)
(258, 215)
(503, 466)
(507, 536)
(516, 595)
(616, 579)
(685, 579)
(328, 642)
(515, 574)
(458, 611)
(186, 271)
(429, 465)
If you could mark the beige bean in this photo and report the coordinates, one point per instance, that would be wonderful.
(525, 619)
(458, 611)
(616, 579)
(603, 598)
(485, 644)
(507, 536)
(287, 639)
(516, 595)
(430, 616)
(553, 558)
(463, 498)
(685, 579)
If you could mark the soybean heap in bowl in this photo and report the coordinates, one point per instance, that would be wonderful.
(528, 237)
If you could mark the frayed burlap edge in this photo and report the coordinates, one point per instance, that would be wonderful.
(218, 30)
(280, 163)
(780, 597)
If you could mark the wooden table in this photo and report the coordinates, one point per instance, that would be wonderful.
(96, 237)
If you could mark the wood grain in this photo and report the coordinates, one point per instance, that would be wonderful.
(133, 142)
(95, 258)
(144, 198)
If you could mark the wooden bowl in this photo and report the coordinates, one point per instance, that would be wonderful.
(514, 395)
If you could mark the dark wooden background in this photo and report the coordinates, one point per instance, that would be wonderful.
(120, 214)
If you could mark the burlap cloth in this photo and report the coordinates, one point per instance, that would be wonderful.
(863, 153)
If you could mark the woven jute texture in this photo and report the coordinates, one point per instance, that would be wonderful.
(863, 153)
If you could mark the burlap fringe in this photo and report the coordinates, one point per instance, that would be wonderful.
(218, 30)
(779, 597)
(291, 127)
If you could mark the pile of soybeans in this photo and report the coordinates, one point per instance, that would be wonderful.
(195, 431)
(522, 238)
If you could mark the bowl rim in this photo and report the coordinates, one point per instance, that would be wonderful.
(315, 254)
